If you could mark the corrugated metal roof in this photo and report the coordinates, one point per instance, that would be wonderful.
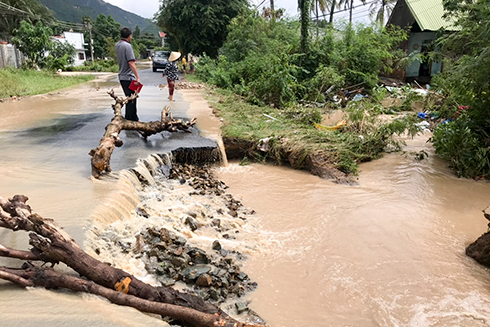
(428, 14)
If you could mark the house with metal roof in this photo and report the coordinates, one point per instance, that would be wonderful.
(422, 18)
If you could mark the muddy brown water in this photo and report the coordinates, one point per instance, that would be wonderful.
(387, 252)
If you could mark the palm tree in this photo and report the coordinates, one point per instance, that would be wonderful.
(315, 5)
(379, 8)
(336, 4)
(349, 4)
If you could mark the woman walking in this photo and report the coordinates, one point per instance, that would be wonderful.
(172, 72)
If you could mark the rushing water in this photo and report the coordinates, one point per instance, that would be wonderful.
(387, 252)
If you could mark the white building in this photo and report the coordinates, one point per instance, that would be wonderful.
(77, 41)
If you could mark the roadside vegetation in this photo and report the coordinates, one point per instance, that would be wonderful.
(464, 141)
(270, 91)
(280, 67)
(19, 82)
(294, 134)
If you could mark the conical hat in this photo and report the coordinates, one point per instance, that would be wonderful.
(174, 56)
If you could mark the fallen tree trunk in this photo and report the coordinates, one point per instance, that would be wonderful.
(101, 156)
(50, 279)
(52, 244)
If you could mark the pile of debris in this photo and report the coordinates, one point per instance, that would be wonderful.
(186, 85)
(196, 247)
(215, 277)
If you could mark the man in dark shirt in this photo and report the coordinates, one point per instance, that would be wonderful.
(127, 70)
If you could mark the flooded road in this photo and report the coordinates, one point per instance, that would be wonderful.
(45, 142)
(387, 252)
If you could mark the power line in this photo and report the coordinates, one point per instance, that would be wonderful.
(344, 10)
(11, 9)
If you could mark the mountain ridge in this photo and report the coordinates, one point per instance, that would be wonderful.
(74, 10)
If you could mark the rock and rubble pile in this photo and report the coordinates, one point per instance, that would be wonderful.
(185, 233)
(186, 85)
(215, 277)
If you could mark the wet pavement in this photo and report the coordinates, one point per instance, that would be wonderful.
(45, 151)
(44, 141)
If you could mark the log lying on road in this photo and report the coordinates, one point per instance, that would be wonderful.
(51, 244)
(101, 156)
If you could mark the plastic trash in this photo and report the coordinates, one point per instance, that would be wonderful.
(422, 115)
(421, 91)
(359, 97)
(423, 124)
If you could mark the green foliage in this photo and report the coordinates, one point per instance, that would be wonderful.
(105, 29)
(199, 27)
(294, 136)
(60, 56)
(263, 61)
(304, 7)
(465, 83)
(466, 153)
(362, 52)
(33, 41)
(324, 79)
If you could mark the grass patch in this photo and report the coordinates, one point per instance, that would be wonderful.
(192, 78)
(294, 137)
(19, 82)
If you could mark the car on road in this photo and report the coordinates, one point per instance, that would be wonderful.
(160, 60)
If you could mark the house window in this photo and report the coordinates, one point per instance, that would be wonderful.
(81, 56)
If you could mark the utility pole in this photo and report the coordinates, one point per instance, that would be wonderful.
(89, 26)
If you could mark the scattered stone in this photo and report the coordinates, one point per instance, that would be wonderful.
(242, 276)
(142, 212)
(241, 307)
(192, 223)
(191, 273)
(198, 256)
(189, 85)
(214, 275)
(204, 280)
(216, 245)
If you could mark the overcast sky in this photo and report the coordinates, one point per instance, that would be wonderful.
(150, 7)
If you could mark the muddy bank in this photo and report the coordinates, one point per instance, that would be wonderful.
(480, 249)
(318, 164)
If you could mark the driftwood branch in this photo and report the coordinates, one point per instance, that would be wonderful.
(17, 254)
(51, 244)
(50, 279)
(101, 156)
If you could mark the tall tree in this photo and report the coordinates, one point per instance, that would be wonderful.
(349, 5)
(316, 7)
(333, 3)
(105, 29)
(198, 26)
(380, 9)
(33, 41)
(304, 7)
